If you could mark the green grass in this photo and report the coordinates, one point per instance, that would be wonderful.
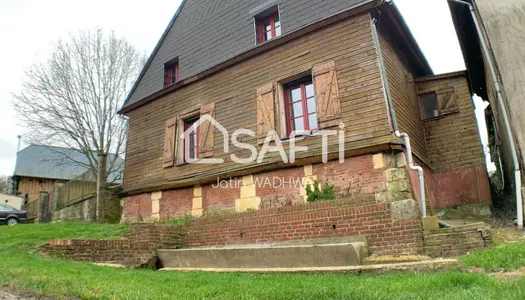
(22, 268)
(508, 257)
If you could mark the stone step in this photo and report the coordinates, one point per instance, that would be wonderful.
(259, 256)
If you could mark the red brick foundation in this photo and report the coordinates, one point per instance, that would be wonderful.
(137, 208)
(457, 187)
(286, 191)
(219, 199)
(355, 178)
(175, 203)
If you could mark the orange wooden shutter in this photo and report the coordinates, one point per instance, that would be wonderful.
(447, 100)
(265, 111)
(327, 95)
(207, 132)
(169, 143)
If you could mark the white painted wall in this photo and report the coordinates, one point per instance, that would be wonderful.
(10, 200)
(504, 22)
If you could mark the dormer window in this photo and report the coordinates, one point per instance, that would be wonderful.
(268, 26)
(171, 73)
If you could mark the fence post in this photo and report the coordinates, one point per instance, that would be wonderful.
(101, 184)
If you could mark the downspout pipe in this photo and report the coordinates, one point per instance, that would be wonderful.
(503, 108)
(403, 135)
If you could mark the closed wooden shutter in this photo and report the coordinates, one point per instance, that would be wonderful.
(179, 146)
(169, 143)
(207, 132)
(327, 95)
(447, 101)
(265, 111)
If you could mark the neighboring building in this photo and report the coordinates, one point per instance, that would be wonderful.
(286, 65)
(12, 201)
(503, 26)
(38, 168)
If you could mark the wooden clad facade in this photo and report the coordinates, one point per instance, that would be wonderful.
(452, 139)
(341, 55)
(403, 90)
(33, 186)
(339, 59)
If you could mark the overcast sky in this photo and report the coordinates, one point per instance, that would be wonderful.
(29, 27)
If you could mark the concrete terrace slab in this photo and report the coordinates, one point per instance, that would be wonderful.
(293, 256)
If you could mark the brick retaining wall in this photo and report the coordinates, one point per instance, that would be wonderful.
(456, 241)
(138, 249)
(386, 234)
(375, 221)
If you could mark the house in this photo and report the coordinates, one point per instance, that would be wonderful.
(39, 168)
(501, 24)
(348, 67)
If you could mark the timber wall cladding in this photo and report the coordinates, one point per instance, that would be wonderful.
(404, 94)
(33, 187)
(453, 139)
(234, 91)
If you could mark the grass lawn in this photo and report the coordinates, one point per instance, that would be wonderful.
(22, 268)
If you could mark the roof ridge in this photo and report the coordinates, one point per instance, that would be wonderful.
(153, 53)
(59, 147)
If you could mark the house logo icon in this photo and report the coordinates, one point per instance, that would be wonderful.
(214, 124)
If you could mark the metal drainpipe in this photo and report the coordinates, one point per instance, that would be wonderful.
(508, 131)
(403, 135)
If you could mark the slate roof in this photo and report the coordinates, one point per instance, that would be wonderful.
(205, 33)
(50, 163)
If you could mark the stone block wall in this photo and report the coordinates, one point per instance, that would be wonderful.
(84, 210)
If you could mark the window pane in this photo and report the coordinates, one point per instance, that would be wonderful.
(192, 153)
(297, 110)
(429, 105)
(268, 35)
(310, 90)
(311, 105)
(298, 124)
(278, 31)
(296, 94)
(312, 121)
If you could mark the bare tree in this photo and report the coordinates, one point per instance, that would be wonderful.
(72, 99)
(3, 184)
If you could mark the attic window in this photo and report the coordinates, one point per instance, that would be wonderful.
(171, 73)
(268, 25)
(438, 103)
(429, 105)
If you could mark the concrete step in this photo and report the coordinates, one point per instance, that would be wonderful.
(261, 256)
(411, 267)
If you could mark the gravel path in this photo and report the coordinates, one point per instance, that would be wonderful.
(6, 296)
